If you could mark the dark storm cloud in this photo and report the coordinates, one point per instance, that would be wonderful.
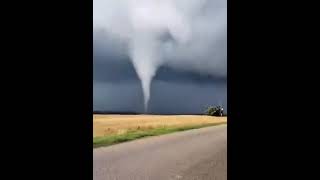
(117, 71)
(172, 92)
(185, 98)
(188, 76)
(117, 97)
(166, 97)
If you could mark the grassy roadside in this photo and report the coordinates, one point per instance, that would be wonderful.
(136, 134)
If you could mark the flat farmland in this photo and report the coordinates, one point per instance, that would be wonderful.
(106, 125)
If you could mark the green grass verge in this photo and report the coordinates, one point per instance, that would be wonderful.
(131, 135)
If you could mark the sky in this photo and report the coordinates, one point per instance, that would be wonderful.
(159, 56)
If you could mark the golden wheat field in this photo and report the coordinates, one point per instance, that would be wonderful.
(117, 124)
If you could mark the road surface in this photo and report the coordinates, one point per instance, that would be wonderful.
(199, 154)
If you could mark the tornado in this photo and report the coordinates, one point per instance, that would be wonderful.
(145, 59)
(146, 40)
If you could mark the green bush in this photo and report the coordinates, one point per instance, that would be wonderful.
(214, 111)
